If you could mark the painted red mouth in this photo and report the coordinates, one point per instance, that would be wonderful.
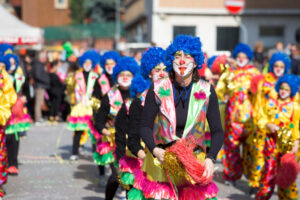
(182, 69)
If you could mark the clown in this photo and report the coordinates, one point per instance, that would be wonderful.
(234, 86)
(111, 104)
(279, 113)
(8, 98)
(173, 121)
(86, 92)
(20, 119)
(152, 68)
(279, 65)
(128, 162)
(108, 61)
(217, 66)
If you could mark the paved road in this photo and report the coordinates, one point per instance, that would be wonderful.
(46, 174)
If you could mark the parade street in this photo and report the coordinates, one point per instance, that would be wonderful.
(46, 173)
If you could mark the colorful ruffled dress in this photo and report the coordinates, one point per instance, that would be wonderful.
(284, 114)
(129, 163)
(155, 180)
(105, 151)
(236, 82)
(80, 118)
(20, 119)
(8, 98)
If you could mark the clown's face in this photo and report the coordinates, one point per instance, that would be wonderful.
(183, 64)
(124, 79)
(278, 68)
(158, 72)
(2, 65)
(284, 91)
(109, 66)
(242, 60)
(12, 65)
(87, 65)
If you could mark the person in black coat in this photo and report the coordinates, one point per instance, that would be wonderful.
(56, 91)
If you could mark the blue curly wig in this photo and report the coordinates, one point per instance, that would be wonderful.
(151, 58)
(5, 47)
(290, 79)
(211, 61)
(188, 44)
(282, 57)
(109, 55)
(244, 48)
(139, 85)
(6, 59)
(125, 64)
(2, 59)
(90, 55)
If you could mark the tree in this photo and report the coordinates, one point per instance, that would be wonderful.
(101, 10)
(78, 11)
(93, 11)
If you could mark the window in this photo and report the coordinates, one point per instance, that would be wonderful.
(269, 35)
(186, 30)
(61, 4)
(227, 38)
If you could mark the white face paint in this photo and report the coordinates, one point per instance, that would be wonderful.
(124, 81)
(12, 67)
(87, 67)
(155, 77)
(158, 72)
(284, 91)
(109, 66)
(278, 72)
(242, 62)
(183, 70)
(284, 95)
(109, 70)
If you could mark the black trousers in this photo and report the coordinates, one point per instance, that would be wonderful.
(76, 142)
(55, 104)
(12, 145)
(100, 167)
(112, 183)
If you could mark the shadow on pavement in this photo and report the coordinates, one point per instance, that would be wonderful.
(238, 197)
(88, 172)
(84, 152)
(241, 184)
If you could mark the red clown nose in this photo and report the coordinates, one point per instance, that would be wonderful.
(182, 62)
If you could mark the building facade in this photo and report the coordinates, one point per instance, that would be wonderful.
(42, 13)
(160, 21)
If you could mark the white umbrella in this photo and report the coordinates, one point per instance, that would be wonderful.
(14, 31)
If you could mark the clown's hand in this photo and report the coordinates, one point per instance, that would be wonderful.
(209, 168)
(159, 153)
(141, 154)
(272, 127)
(295, 147)
(106, 132)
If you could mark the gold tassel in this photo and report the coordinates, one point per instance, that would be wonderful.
(284, 140)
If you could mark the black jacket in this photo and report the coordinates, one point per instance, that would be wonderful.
(40, 76)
